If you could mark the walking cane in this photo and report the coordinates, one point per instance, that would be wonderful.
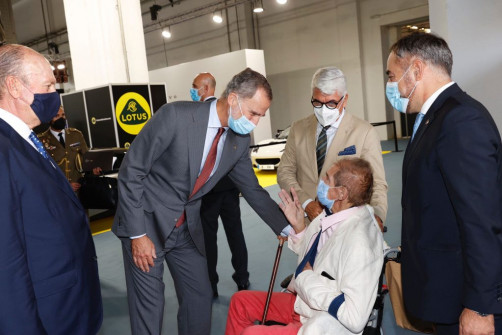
(272, 280)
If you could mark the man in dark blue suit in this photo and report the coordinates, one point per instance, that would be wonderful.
(48, 267)
(452, 193)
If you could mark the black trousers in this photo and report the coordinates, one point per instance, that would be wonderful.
(224, 202)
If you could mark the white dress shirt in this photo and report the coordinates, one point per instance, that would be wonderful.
(18, 125)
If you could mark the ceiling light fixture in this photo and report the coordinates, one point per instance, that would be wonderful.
(282, 2)
(258, 6)
(217, 16)
(166, 32)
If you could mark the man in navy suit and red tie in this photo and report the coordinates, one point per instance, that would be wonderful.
(48, 267)
(452, 193)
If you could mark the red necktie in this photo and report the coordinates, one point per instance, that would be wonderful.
(206, 171)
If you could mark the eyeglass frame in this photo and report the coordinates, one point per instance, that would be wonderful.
(312, 101)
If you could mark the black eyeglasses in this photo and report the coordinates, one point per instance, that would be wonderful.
(330, 104)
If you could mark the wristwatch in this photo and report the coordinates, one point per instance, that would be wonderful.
(481, 314)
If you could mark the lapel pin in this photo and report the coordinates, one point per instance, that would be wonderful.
(235, 147)
(427, 122)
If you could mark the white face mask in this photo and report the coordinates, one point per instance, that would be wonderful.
(326, 116)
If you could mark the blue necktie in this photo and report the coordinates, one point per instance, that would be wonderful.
(38, 145)
(418, 120)
(310, 256)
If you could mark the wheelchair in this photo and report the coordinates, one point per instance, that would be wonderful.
(374, 325)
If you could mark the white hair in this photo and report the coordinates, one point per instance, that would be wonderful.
(329, 80)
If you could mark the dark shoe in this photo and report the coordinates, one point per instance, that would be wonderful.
(243, 287)
(215, 293)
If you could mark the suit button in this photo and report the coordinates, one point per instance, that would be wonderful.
(499, 299)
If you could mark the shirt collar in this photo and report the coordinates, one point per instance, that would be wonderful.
(56, 133)
(428, 103)
(336, 218)
(16, 123)
(214, 120)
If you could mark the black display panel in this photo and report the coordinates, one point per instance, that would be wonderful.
(74, 108)
(100, 115)
(159, 96)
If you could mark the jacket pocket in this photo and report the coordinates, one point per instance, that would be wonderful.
(53, 285)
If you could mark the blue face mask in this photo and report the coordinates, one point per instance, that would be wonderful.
(322, 195)
(194, 94)
(242, 125)
(46, 105)
(394, 96)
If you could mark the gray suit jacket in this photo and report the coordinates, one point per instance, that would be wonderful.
(160, 169)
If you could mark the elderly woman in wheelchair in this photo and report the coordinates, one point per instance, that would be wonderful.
(340, 257)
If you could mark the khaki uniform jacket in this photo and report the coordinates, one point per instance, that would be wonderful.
(298, 166)
(69, 158)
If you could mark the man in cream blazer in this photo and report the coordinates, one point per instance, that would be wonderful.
(346, 136)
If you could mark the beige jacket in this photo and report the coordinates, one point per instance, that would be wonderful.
(298, 166)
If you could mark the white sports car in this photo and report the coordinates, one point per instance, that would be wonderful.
(267, 154)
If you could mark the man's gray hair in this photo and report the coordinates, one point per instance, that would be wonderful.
(11, 63)
(329, 80)
(245, 84)
(430, 48)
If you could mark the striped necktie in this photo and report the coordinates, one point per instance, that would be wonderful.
(38, 145)
(320, 150)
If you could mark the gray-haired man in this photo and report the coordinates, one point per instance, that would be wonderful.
(324, 137)
(177, 158)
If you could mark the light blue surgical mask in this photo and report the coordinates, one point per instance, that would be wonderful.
(392, 91)
(322, 195)
(194, 94)
(242, 125)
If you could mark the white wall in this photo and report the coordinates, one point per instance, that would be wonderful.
(346, 34)
(179, 78)
(472, 30)
(379, 21)
(106, 42)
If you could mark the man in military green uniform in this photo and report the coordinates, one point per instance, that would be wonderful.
(66, 146)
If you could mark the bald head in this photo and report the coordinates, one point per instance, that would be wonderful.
(205, 85)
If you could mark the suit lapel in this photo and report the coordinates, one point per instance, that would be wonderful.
(196, 138)
(339, 141)
(54, 172)
(311, 142)
(430, 116)
(229, 155)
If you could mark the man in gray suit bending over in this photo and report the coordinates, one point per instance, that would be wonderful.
(180, 154)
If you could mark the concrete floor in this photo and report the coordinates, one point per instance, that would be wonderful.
(262, 245)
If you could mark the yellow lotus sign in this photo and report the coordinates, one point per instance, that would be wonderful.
(132, 111)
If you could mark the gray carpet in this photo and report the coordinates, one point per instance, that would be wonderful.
(262, 246)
